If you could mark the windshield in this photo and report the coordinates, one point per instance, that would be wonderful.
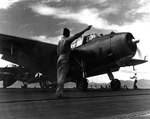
(85, 40)
(76, 43)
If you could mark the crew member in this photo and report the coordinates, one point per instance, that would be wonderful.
(63, 51)
(135, 81)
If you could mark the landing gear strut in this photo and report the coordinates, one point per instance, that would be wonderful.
(115, 83)
(82, 84)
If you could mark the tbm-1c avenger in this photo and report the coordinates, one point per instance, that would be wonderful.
(96, 55)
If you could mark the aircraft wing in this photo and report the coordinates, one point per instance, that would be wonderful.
(133, 62)
(32, 54)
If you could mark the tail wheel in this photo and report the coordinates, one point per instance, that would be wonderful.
(115, 84)
(82, 84)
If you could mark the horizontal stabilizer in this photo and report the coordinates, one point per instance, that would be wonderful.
(133, 62)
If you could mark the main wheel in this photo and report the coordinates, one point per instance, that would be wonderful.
(115, 84)
(43, 85)
(82, 84)
(24, 86)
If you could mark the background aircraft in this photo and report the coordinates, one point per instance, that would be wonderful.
(97, 54)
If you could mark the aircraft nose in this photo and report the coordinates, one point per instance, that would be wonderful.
(130, 43)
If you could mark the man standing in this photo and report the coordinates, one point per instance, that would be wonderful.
(135, 81)
(63, 51)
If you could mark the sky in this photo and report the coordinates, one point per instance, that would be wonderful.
(44, 20)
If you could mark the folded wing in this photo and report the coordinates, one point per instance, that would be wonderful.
(35, 55)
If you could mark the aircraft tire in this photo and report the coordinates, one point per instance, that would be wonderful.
(82, 84)
(43, 85)
(115, 85)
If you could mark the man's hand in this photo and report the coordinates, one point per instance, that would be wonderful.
(77, 35)
(89, 27)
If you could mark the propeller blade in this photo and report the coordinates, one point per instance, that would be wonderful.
(139, 52)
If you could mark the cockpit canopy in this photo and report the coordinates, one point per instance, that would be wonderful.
(85, 40)
(89, 37)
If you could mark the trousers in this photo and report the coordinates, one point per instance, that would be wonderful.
(62, 70)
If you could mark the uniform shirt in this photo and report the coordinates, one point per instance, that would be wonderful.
(64, 48)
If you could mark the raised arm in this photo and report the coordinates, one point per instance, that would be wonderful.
(132, 77)
(77, 35)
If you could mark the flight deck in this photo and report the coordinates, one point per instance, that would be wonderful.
(92, 104)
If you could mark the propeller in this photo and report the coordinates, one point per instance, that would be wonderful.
(139, 52)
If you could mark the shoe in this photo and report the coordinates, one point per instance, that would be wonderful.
(59, 95)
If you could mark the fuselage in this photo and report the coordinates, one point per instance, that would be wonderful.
(105, 52)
